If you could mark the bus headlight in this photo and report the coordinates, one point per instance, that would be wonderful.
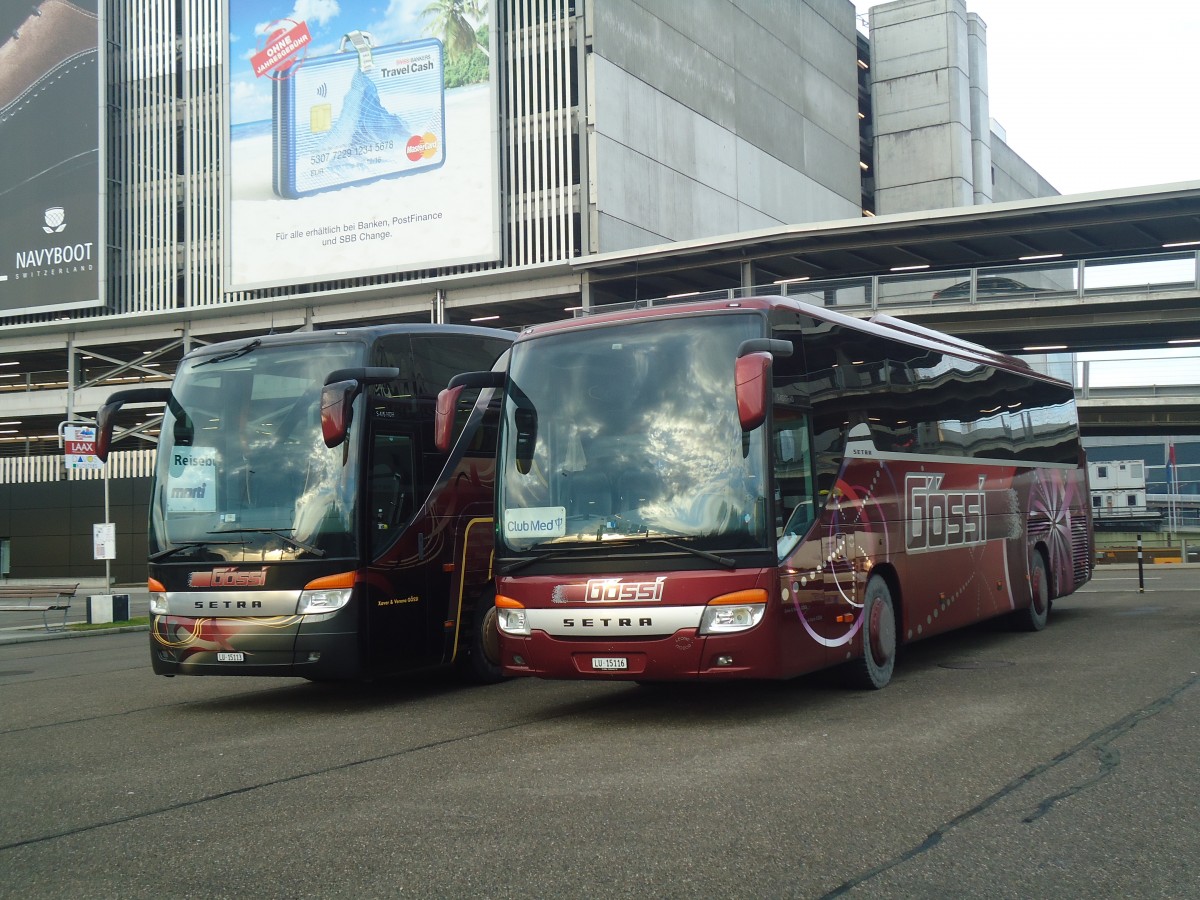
(158, 597)
(511, 616)
(733, 612)
(326, 594)
(322, 600)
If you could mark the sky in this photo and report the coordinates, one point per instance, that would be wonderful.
(1095, 94)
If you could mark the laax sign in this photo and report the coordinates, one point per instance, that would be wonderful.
(79, 447)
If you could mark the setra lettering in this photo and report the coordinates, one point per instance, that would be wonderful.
(606, 622)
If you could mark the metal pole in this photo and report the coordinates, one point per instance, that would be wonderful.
(107, 561)
(72, 379)
(1141, 574)
(1170, 485)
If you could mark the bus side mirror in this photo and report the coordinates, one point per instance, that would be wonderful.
(752, 380)
(447, 403)
(443, 417)
(337, 410)
(337, 398)
(104, 429)
(752, 377)
(106, 415)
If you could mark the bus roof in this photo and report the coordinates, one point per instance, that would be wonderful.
(880, 325)
(366, 333)
(949, 339)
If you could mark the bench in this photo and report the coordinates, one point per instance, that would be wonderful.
(43, 598)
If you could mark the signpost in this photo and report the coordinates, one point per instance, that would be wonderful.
(78, 441)
(79, 447)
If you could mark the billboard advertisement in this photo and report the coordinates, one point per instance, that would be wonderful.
(51, 176)
(363, 138)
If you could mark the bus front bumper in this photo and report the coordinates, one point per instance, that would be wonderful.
(293, 646)
(682, 656)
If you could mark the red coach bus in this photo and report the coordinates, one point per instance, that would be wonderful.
(303, 523)
(762, 488)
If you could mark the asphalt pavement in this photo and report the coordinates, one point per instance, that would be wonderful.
(996, 764)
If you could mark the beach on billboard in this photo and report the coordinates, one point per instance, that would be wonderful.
(421, 220)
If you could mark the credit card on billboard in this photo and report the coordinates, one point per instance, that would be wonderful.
(346, 118)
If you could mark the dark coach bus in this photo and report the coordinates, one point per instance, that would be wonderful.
(303, 523)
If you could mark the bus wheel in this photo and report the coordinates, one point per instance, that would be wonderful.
(482, 664)
(874, 670)
(1033, 617)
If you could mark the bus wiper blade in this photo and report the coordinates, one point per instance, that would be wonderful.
(287, 538)
(696, 551)
(519, 564)
(186, 545)
(232, 354)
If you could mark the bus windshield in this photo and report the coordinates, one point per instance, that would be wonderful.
(243, 472)
(629, 434)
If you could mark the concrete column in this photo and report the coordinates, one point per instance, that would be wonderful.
(981, 117)
(922, 105)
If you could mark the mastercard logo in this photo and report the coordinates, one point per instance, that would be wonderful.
(421, 146)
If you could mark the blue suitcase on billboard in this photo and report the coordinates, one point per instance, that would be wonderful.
(353, 117)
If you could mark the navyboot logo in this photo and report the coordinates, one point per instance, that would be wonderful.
(56, 220)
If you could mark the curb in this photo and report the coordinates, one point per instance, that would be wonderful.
(59, 635)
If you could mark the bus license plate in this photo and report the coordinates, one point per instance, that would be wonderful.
(231, 657)
(610, 663)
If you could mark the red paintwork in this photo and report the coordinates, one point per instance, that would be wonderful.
(813, 617)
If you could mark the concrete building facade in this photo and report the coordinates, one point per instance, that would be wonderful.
(934, 141)
(622, 124)
(714, 117)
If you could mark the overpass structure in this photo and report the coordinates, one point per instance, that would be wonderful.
(1117, 270)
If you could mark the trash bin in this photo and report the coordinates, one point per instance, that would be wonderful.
(102, 608)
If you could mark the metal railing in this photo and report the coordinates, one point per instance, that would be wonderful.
(1081, 280)
(48, 468)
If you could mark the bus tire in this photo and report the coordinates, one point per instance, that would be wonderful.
(482, 662)
(874, 669)
(1034, 616)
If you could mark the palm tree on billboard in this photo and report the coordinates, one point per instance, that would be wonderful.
(452, 24)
